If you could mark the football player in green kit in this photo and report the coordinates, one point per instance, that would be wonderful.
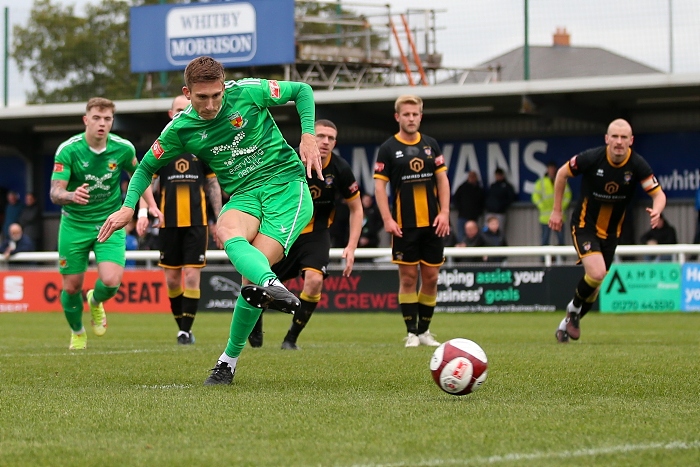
(86, 183)
(229, 127)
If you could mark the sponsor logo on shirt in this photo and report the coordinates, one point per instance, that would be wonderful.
(274, 89)
(379, 166)
(157, 149)
(440, 160)
(354, 187)
(58, 167)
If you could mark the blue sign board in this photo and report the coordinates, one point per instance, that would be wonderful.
(672, 156)
(238, 34)
(690, 287)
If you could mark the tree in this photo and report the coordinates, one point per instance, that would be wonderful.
(72, 58)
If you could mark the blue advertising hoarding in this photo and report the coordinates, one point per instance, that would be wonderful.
(690, 287)
(252, 33)
(672, 156)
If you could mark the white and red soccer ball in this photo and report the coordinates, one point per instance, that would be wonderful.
(459, 366)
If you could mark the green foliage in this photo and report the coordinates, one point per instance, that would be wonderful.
(71, 58)
(625, 394)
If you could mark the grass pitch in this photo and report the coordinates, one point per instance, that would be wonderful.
(626, 394)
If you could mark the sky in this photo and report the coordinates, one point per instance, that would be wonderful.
(469, 32)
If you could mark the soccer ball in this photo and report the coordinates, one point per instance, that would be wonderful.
(459, 366)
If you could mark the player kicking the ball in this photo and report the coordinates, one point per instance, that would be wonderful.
(229, 127)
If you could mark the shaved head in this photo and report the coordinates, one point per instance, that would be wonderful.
(619, 139)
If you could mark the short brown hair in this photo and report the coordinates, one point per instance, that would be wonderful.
(408, 99)
(100, 103)
(325, 122)
(203, 69)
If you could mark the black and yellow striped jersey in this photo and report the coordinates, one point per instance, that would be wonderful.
(410, 169)
(338, 181)
(182, 199)
(607, 189)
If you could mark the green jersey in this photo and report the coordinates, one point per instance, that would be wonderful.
(242, 144)
(77, 163)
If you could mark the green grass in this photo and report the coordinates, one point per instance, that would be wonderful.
(626, 394)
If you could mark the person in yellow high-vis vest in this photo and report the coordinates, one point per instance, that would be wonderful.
(543, 198)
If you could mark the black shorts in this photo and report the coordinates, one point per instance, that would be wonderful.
(183, 246)
(309, 251)
(418, 245)
(588, 243)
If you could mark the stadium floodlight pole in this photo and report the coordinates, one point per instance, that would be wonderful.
(5, 56)
(670, 36)
(526, 46)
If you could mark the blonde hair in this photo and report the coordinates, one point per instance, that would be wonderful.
(100, 103)
(408, 99)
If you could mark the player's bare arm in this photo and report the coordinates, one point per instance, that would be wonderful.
(59, 195)
(657, 207)
(213, 192)
(310, 155)
(382, 199)
(555, 219)
(355, 207)
(442, 220)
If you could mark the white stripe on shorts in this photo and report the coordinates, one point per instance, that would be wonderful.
(296, 216)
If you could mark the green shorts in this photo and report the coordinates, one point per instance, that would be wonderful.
(76, 239)
(283, 210)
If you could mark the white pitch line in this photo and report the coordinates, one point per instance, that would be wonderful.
(516, 457)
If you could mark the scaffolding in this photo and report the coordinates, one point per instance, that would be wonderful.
(374, 48)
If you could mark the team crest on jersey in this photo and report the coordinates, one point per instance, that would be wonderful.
(329, 180)
(58, 167)
(112, 165)
(586, 246)
(428, 151)
(628, 177)
(237, 121)
(62, 262)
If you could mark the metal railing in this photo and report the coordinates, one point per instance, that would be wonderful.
(549, 253)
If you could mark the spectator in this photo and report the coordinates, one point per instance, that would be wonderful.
(16, 242)
(372, 223)
(468, 200)
(30, 220)
(500, 196)
(472, 238)
(13, 209)
(663, 234)
(493, 236)
(543, 198)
